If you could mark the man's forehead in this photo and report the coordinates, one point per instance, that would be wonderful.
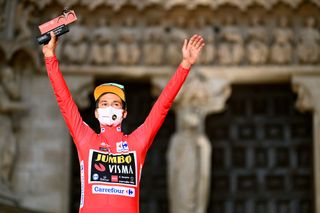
(110, 97)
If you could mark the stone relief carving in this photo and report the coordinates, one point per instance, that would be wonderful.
(153, 43)
(172, 3)
(309, 42)
(257, 48)
(231, 44)
(206, 30)
(102, 50)
(92, 4)
(128, 50)
(304, 100)
(117, 4)
(281, 49)
(231, 50)
(24, 18)
(41, 4)
(292, 3)
(264, 3)
(176, 36)
(75, 48)
(307, 89)
(67, 3)
(10, 104)
(240, 4)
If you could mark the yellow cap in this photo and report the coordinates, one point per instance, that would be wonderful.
(114, 88)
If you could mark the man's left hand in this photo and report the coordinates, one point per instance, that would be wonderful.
(191, 50)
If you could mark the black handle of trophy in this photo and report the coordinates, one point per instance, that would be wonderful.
(45, 38)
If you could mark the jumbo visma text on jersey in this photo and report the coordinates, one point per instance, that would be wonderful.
(112, 168)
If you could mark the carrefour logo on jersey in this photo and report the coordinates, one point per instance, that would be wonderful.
(113, 190)
(122, 146)
(112, 168)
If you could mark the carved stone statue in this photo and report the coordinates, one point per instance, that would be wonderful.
(231, 50)
(9, 104)
(153, 50)
(206, 30)
(265, 3)
(40, 4)
(189, 167)
(24, 12)
(177, 34)
(257, 49)
(67, 3)
(172, 3)
(292, 3)
(117, 4)
(128, 51)
(92, 4)
(189, 153)
(102, 50)
(309, 42)
(281, 50)
(76, 48)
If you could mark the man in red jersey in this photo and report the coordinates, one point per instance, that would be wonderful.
(111, 162)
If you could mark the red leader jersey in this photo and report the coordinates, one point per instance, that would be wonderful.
(111, 162)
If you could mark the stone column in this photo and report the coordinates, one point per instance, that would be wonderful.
(308, 90)
(189, 154)
(42, 179)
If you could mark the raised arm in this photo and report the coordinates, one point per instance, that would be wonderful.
(147, 131)
(66, 104)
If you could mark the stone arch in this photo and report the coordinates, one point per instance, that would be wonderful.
(25, 60)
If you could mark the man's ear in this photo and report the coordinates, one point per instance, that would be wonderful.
(125, 112)
(96, 114)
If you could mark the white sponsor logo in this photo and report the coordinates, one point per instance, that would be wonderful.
(95, 177)
(122, 146)
(113, 190)
(82, 183)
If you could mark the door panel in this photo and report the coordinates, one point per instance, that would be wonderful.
(262, 153)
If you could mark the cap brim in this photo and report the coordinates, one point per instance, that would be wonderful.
(102, 89)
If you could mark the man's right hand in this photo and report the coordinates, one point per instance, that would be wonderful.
(49, 49)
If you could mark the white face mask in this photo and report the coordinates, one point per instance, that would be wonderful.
(110, 116)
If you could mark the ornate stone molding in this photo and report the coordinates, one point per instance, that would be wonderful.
(168, 4)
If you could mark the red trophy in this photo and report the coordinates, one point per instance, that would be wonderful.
(58, 25)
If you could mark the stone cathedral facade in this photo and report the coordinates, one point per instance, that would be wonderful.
(245, 130)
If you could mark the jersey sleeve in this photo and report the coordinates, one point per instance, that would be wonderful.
(148, 130)
(65, 102)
